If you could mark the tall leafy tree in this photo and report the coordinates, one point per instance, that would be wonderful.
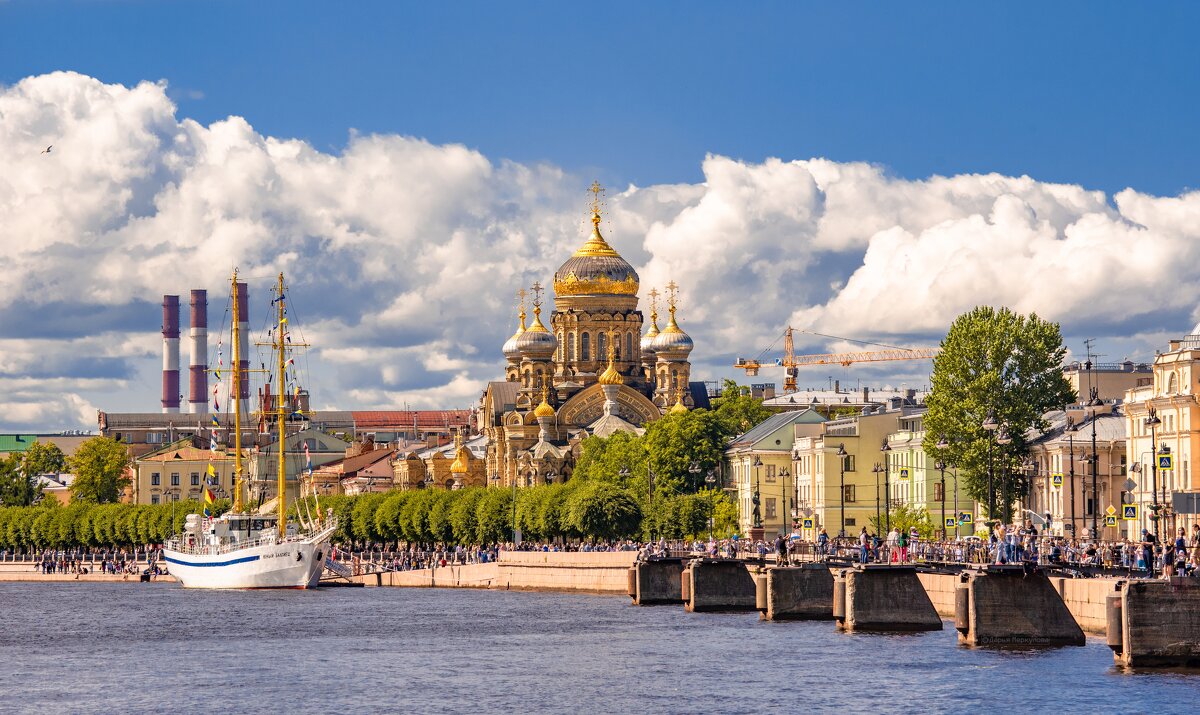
(997, 363)
(100, 467)
(737, 410)
(17, 486)
(43, 458)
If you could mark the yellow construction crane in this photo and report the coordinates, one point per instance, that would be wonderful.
(791, 361)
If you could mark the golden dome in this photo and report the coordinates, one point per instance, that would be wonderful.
(648, 339)
(544, 409)
(672, 339)
(678, 408)
(512, 348)
(595, 269)
(536, 340)
(461, 456)
(610, 376)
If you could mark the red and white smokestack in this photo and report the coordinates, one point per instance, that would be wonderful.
(197, 371)
(170, 332)
(244, 346)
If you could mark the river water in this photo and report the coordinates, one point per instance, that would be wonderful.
(131, 648)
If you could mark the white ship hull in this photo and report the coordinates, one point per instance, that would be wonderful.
(292, 564)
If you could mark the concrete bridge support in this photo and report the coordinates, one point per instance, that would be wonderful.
(1155, 623)
(881, 597)
(1006, 606)
(656, 581)
(718, 585)
(796, 593)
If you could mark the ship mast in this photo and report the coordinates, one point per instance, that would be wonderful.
(235, 398)
(279, 413)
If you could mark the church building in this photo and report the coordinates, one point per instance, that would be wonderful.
(593, 371)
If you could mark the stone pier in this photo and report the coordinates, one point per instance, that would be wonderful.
(797, 593)
(1008, 606)
(718, 585)
(1159, 623)
(881, 597)
(656, 581)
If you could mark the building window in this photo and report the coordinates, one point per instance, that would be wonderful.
(174, 479)
(939, 491)
(849, 461)
(155, 479)
(585, 348)
(851, 522)
(770, 507)
(770, 472)
(602, 345)
(195, 479)
(153, 498)
(571, 348)
(155, 438)
(632, 356)
(849, 493)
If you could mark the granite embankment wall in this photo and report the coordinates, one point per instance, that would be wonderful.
(12, 572)
(581, 572)
(1084, 597)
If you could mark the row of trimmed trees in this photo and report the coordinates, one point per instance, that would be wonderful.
(577, 510)
(87, 525)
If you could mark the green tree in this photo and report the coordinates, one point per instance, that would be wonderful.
(17, 487)
(737, 410)
(43, 458)
(682, 448)
(604, 511)
(995, 363)
(905, 517)
(492, 516)
(99, 466)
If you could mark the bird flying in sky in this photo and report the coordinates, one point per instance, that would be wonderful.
(47, 149)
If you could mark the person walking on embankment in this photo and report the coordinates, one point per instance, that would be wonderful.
(864, 545)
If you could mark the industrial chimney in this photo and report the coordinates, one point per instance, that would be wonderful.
(170, 332)
(243, 389)
(198, 375)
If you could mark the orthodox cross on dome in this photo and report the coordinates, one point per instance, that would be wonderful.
(521, 302)
(653, 303)
(537, 294)
(672, 296)
(597, 192)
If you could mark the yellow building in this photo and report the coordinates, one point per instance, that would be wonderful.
(842, 495)
(1163, 411)
(759, 461)
(592, 371)
(177, 473)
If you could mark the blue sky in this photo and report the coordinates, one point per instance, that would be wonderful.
(411, 165)
(1101, 94)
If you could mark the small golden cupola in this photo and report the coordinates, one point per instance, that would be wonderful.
(536, 341)
(672, 340)
(595, 269)
(544, 409)
(512, 349)
(652, 333)
(610, 376)
(461, 456)
(678, 407)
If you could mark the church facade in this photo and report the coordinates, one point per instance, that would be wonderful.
(597, 369)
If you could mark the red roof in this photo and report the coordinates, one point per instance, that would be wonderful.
(403, 419)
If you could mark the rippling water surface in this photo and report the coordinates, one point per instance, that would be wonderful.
(121, 648)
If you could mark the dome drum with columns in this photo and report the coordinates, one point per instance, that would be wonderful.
(593, 371)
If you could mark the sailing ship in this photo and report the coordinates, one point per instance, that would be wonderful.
(244, 549)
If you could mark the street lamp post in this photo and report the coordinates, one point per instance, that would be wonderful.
(1153, 421)
(841, 454)
(940, 465)
(1094, 403)
(710, 480)
(990, 425)
(757, 494)
(887, 488)
(1003, 438)
(956, 519)
(784, 473)
(877, 470)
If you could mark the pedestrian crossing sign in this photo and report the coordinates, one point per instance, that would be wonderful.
(1164, 461)
(1110, 521)
(904, 472)
(965, 518)
(1129, 512)
(808, 523)
(950, 522)
(1056, 479)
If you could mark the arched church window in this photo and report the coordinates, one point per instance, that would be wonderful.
(1172, 385)
(559, 352)
(571, 348)
(602, 345)
(629, 346)
(585, 348)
